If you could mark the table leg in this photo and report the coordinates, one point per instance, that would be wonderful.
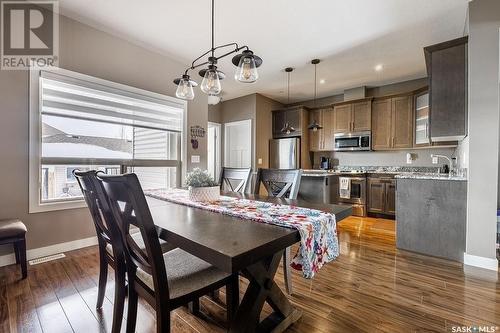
(262, 288)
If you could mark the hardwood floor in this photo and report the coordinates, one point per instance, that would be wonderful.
(371, 287)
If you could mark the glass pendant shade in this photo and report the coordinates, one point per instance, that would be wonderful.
(247, 70)
(211, 83)
(213, 99)
(185, 89)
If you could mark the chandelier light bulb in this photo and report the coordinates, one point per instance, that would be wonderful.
(246, 71)
(185, 89)
(211, 83)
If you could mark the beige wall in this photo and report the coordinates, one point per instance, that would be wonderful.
(389, 89)
(263, 128)
(89, 51)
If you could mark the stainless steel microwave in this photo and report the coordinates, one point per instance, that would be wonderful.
(353, 141)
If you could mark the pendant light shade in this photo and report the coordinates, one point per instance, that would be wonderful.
(185, 87)
(247, 63)
(287, 129)
(315, 126)
(211, 83)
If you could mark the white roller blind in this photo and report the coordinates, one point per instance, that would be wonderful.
(70, 97)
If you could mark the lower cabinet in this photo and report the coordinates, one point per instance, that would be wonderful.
(382, 195)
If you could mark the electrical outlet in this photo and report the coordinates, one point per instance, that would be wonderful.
(195, 158)
(259, 161)
(435, 160)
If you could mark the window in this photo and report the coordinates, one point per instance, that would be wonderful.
(78, 122)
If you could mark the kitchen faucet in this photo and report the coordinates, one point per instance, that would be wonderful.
(450, 164)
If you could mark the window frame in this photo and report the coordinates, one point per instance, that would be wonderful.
(35, 141)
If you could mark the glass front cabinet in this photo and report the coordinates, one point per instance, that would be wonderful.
(422, 134)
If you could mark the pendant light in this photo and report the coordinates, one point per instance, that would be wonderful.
(185, 87)
(315, 126)
(246, 62)
(287, 129)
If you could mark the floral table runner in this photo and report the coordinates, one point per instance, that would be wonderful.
(318, 229)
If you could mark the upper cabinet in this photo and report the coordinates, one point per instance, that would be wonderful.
(392, 123)
(447, 70)
(322, 139)
(295, 117)
(421, 136)
(352, 116)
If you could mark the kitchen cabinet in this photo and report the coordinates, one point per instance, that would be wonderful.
(353, 116)
(421, 120)
(322, 139)
(295, 117)
(392, 123)
(402, 122)
(382, 195)
(447, 71)
(298, 118)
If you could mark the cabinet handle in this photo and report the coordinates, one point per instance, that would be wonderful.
(392, 142)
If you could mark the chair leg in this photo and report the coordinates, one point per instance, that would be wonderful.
(232, 297)
(119, 302)
(194, 306)
(132, 309)
(16, 252)
(21, 246)
(162, 320)
(286, 271)
(103, 278)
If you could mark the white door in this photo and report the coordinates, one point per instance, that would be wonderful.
(238, 144)
(214, 149)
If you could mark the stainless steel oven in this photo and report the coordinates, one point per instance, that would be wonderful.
(353, 141)
(357, 195)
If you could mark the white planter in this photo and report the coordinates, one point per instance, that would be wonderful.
(211, 193)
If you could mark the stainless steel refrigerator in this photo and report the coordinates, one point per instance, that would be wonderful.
(284, 153)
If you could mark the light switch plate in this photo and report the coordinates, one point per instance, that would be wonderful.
(195, 158)
(259, 161)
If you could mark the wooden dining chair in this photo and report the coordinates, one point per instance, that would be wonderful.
(109, 254)
(234, 179)
(165, 281)
(280, 183)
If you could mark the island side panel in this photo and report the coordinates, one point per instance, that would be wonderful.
(431, 217)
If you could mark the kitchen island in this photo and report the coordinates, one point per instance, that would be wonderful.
(431, 214)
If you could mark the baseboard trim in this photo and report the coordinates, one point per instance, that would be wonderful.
(9, 259)
(482, 262)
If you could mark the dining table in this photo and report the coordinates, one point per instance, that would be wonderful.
(237, 245)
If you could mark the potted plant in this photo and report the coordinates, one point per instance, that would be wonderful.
(202, 186)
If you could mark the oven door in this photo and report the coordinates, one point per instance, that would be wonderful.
(358, 191)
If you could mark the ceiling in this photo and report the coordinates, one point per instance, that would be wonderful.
(350, 37)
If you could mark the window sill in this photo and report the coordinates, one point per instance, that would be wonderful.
(53, 206)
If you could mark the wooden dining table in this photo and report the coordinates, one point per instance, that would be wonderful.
(237, 245)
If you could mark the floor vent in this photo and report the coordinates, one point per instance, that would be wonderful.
(46, 259)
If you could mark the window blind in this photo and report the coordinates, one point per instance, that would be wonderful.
(70, 97)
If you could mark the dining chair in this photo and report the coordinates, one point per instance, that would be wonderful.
(108, 252)
(166, 281)
(13, 231)
(280, 183)
(234, 179)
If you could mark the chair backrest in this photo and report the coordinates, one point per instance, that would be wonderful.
(129, 206)
(234, 179)
(279, 182)
(87, 182)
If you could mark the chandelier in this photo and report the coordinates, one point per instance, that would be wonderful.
(246, 62)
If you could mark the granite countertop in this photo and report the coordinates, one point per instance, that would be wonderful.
(397, 172)
(430, 176)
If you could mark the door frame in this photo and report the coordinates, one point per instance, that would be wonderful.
(218, 148)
